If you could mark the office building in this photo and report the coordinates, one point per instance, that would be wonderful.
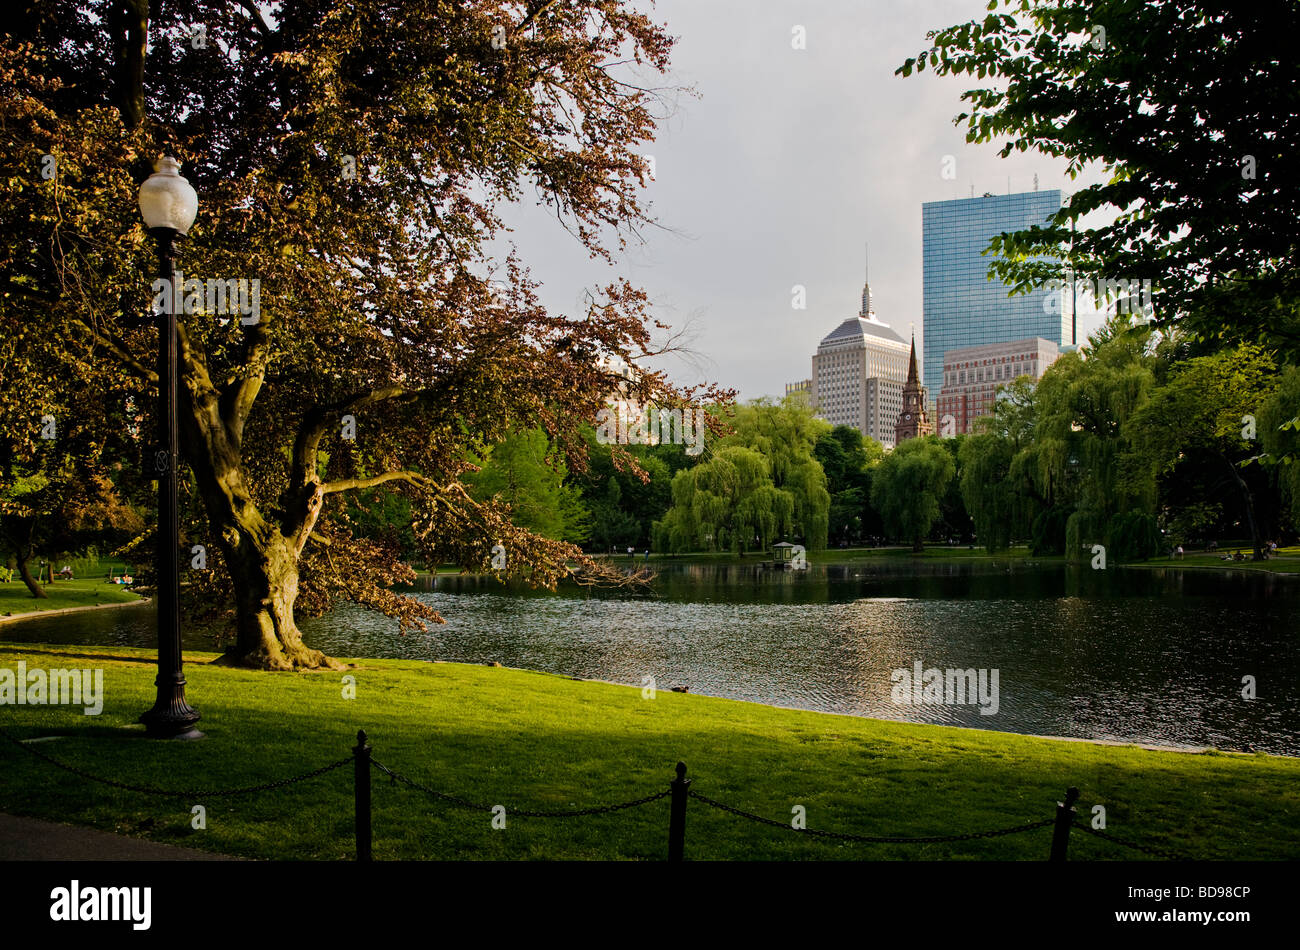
(972, 375)
(858, 373)
(962, 307)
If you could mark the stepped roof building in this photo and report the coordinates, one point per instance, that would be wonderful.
(858, 373)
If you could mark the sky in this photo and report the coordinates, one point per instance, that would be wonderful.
(779, 170)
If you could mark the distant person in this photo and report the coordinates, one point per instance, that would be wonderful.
(647, 555)
(1178, 552)
(631, 552)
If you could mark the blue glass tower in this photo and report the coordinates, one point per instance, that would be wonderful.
(962, 306)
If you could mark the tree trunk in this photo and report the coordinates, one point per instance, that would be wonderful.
(25, 573)
(265, 575)
(261, 556)
(918, 546)
(261, 549)
(1250, 508)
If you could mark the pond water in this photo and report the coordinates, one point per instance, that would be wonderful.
(1140, 655)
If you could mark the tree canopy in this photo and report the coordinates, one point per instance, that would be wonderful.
(907, 487)
(356, 160)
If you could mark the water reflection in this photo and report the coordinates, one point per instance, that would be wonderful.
(1133, 655)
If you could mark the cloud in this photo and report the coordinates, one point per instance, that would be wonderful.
(787, 163)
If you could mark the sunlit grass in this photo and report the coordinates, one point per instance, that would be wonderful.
(90, 587)
(542, 741)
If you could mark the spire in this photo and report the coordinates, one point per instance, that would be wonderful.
(867, 312)
(911, 365)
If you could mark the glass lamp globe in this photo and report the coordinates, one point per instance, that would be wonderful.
(166, 199)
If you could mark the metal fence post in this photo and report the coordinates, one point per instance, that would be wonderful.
(1064, 818)
(361, 755)
(677, 815)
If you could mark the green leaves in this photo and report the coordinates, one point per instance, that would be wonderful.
(1175, 102)
(907, 485)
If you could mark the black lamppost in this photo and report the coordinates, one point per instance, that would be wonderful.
(168, 205)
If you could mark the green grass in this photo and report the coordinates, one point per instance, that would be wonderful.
(1287, 561)
(540, 741)
(89, 588)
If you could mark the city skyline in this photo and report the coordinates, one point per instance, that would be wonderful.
(762, 186)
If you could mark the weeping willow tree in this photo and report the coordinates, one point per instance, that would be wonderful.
(786, 435)
(1279, 433)
(1082, 457)
(1001, 500)
(726, 503)
(907, 487)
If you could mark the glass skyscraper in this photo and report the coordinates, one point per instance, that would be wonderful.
(962, 306)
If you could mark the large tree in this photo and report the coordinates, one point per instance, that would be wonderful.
(524, 472)
(355, 158)
(848, 458)
(786, 434)
(1191, 106)
(1207, 411)
(726, 503)
(907, 487)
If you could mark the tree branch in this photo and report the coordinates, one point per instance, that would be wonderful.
(350, 484)
(312, 428)
(118, 348)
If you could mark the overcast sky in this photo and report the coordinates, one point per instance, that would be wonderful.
(777, 174)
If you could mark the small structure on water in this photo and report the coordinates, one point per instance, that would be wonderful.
(786, 557)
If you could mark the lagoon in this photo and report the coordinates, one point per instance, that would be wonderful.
(1152, 655)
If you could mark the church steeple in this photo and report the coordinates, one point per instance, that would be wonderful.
(912, 421)
(868, 311)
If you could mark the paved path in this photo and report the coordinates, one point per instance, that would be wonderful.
(31, 839)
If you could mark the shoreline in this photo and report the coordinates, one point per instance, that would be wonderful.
(60, 611)
(204, 657)
(1119, 743)
(897, 555)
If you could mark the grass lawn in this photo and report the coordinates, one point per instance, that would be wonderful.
(1286, 561)
(87, 590)
(541, 741)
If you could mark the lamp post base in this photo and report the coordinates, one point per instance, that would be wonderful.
(171, 719)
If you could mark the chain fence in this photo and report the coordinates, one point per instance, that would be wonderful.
(187, 793)
(678, 791)
(873, 839)
(1146, 849)
(524, 812)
